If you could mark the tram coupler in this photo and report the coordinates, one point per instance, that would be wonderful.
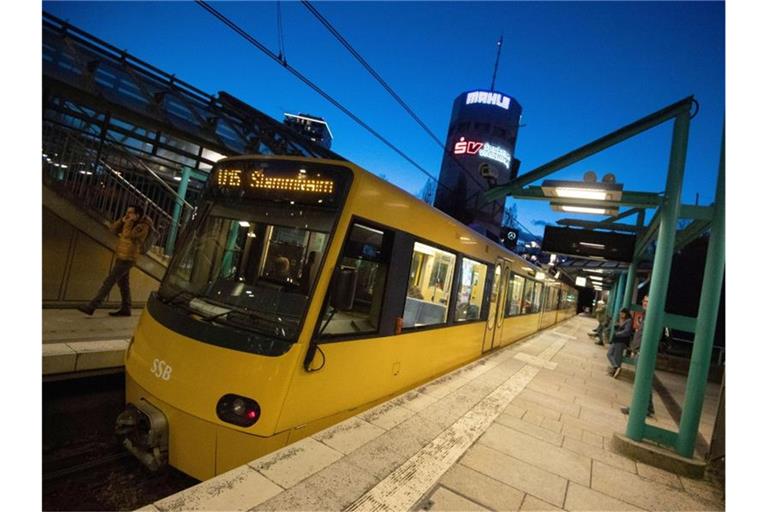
(144, 432)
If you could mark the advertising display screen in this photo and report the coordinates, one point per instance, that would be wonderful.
(589, 244)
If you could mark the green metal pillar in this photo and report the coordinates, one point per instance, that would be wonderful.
(617, 305)
(229, 250)
(609, 306)
(629, 289)
(709, 303)
(178, 208)
(662, 263)
(611, 295)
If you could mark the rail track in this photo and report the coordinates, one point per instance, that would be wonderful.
(84, 465)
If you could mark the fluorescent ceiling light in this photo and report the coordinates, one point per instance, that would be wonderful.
(576, 193)
(581, 209)
(581, 281)
(596, 191)
(594, 270)
(594, 246)
(245, 223)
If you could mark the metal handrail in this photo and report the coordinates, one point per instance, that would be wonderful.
(162, 182)
(77, 170)
(137, 160)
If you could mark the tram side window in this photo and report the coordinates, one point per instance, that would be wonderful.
(515, 295)
(537, 297)
(547, 299)
(367, 252)
(531, 297)
(429, 286)
(469, 299)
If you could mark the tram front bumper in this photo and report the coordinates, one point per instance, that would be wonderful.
(144, 431)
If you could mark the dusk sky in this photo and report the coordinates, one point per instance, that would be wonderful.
(579, 70)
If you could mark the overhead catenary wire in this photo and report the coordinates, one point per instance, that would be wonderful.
(280, 38)
(245, 35)
(346, 44)
(520, 224)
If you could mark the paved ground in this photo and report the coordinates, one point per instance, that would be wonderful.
(551, 448)
(527, 428)
(63, 325)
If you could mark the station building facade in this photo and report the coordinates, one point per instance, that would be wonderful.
(480, 149)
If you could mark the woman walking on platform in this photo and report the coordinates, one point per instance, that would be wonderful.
(619, 342)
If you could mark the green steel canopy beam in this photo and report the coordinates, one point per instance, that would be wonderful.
(622, 215)
(680, 322)
(689, 211)
(648, 234)
(690, 233)
(591, 148)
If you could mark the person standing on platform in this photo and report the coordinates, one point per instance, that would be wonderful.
(638, 322)
(619, 343)
(600, 315)
(634, 347)
(132, 229)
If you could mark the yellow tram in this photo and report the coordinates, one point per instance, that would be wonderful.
(302, 292)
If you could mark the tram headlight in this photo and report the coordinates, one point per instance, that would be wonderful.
(238, 410)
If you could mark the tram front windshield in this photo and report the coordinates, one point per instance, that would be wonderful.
(250, 264)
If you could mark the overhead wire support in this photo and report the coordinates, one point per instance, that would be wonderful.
(499, 43)
(280, 38)
(346, 44)
(245, 35)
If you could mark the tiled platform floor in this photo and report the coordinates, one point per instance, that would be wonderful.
(527, 428)
(69, 325)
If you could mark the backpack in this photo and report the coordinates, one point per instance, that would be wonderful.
(149, 241)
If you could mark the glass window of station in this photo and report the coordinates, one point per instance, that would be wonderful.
(429, 286)
(469, 296)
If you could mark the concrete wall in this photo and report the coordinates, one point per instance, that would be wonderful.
(74, 266)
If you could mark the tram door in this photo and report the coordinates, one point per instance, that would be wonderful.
(496, 309)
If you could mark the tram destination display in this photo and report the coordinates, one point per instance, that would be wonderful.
(310, 184)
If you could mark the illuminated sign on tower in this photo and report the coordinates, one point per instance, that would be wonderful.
(488, 98)
(481, 139)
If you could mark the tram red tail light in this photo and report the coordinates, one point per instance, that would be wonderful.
(238, 410)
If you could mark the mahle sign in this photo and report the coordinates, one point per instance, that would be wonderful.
(488, 98)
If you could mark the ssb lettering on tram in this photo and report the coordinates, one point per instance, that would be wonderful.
(161, 369)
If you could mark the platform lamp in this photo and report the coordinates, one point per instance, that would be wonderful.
(588, 196)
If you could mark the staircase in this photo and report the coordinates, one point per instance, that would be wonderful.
(86, 185)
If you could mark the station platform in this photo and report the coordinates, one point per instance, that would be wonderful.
(528, 427)
(75, 344)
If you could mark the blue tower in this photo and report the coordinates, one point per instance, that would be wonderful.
(480, 153)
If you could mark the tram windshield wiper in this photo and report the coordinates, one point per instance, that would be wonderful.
(186, 295)
(216, 316)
